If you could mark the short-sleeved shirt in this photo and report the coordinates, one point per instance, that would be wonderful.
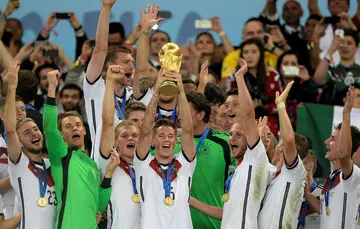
(212, 169)
(7, 197)
(283, 198)
(24, 180)
(123, 212)
(154, 211)
(338, 77)
(94, 96)
(76, 176)
(247, 190)
(343, 202)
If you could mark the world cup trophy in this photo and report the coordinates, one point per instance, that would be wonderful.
(170, 60)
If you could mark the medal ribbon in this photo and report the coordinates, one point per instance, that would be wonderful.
(173, 115)
(5, 137)
(166, 180)
(132, 176)
(329, 186)
(202, 139)
(305, 206)
(42, 185)
(228, 183)
(29, 107)
(120, 110)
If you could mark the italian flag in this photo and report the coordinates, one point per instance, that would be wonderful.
(317, 122)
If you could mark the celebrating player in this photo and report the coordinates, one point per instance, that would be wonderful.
(29, 172)
(124, 201)
(76, 176)
(164, 181)
(245, 187)
(282, 201)
(338, 205)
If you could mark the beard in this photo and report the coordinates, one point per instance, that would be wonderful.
(166, 99)
(33, 150)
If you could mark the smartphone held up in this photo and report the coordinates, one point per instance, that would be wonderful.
(203, 24)
(291, 70)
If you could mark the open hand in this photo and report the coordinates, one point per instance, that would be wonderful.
(349, 102)
(243, 68)
(282, 98)
(204, 73)
(148, 19)
(108, 3)
(12, 74)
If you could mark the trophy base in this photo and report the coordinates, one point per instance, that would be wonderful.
(169, 88)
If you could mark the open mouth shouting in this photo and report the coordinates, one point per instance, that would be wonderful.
(36, 141)
(234, 146)
(232, 116)
(166, 146)
(76, 137)
(130, 146)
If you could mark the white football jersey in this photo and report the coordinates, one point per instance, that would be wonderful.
(312, 218)
(25, 182)
(343, 204)
(7, 197)
(154, 211)
(283, 198)
(94, 96)
(247, 190)
(351, 184)
(123, 212)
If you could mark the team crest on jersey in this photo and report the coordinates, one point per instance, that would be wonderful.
(204, 149)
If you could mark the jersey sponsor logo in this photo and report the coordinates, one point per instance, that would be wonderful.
(3, 155)
(50, 181)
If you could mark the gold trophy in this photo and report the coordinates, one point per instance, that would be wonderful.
(170, 60)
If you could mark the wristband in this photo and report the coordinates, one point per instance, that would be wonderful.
(328, 58)
(78, 28)
(221, 33)
(280, 105)
(146, 33)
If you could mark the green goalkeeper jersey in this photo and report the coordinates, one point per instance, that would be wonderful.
(76, 176)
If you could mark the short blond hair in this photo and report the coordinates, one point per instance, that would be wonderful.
(22, 122)
(124, 123)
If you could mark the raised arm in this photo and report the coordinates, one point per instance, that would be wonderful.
(322, 69)
(105, 187)
(345, 141)
(55, 144)
(145, 138)
(212, 211)
(314, 7)
(13, 145)
(187, 132)
(107, 140)
(217, 27)
(286, 130)
(148, 20)
(99, 54)
(203, 77)
(247, 111)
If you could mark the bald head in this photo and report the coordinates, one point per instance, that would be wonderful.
(253, 28)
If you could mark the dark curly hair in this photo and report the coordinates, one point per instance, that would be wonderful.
(27, 86)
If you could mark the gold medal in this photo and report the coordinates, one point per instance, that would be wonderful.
(327, 210)
(169, 201)
(135, 198)
(225, 197)
(41, 202)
